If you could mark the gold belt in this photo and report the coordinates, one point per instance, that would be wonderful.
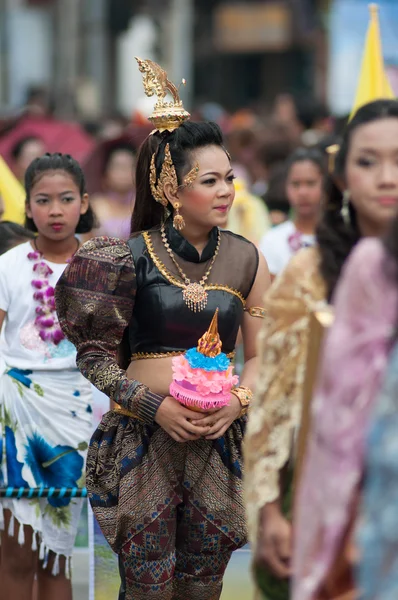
(142, 355)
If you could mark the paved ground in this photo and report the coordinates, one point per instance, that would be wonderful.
(80, 575)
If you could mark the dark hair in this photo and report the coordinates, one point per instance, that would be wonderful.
(58, 162)
(12, 234)
(18, 147)
(336, 238)
(275, 196)
(309, 112)
(307, 154)
(188, 137)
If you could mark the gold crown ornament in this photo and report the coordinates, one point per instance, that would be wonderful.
(210, 343)
(166, 116)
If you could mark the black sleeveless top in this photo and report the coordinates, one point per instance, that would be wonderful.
(161, 321)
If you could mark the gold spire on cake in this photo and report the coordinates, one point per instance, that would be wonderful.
(210, 344)
(166, 115)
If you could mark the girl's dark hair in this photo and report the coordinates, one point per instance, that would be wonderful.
(188, 137)
(58, 162)
(275, 196)
(391, 245)
(307, 154)
(12, 234)
(336, 238)
(18, 147)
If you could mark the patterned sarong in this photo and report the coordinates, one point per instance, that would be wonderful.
(45, 425)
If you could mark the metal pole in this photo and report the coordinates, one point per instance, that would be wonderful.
(66, 55)
(181, 43)
(3, 53)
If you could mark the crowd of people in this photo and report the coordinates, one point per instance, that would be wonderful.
(263, 220)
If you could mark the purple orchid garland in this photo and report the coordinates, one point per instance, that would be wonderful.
(46, 320)
(295, 241)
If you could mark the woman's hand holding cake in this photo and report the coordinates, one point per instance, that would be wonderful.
(220, 419)
(179, 422)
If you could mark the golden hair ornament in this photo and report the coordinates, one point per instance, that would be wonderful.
(167, 175)
(166, 116)
(332, 153)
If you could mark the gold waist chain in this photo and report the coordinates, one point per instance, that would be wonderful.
(143, 355)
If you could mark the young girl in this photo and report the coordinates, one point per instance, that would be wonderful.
(306, 172)
(45, 404)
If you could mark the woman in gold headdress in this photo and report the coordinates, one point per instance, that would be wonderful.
(165, 481)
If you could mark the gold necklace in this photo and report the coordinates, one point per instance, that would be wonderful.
(194, 293)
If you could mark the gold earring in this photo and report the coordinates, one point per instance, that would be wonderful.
(178, 220)
(345, 207)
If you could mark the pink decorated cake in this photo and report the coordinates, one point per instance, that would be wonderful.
(203, 376)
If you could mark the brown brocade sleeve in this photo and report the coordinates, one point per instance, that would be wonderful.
(95, 300)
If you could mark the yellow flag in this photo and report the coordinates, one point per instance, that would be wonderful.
(13, 195)
(373, 82)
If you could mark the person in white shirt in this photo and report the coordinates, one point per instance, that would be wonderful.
(306, 171)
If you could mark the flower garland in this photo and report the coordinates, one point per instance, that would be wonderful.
(46, 318)
(296, 241)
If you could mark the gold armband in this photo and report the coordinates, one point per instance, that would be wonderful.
(123, 411)
(245, 396)
(256, 311)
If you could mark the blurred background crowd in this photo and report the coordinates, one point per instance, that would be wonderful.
(274, 74)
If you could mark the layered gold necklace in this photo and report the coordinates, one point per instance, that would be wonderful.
(194, 293)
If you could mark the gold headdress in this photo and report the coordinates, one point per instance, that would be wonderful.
(166, 115)
(210, 343)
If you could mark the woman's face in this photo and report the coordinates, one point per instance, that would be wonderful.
(208, 201)
(32, 149)
(119, 174)
(304, 188)
(372, 173)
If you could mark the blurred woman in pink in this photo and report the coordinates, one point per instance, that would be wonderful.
(353, 367)
(367, 166)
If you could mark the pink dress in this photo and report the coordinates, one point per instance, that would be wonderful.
(354, 360)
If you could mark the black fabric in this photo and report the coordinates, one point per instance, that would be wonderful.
(161, 321)
(185, 250)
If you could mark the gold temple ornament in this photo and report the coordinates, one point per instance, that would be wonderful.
(167, 175)
(166, 116)
(210, 343)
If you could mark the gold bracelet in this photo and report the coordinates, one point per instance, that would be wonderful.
(245, 396)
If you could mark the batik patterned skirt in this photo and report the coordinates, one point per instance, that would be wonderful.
(139, 480)
(45, 425)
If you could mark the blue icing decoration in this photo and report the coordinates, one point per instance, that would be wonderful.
(197, 360)
(76, 393)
